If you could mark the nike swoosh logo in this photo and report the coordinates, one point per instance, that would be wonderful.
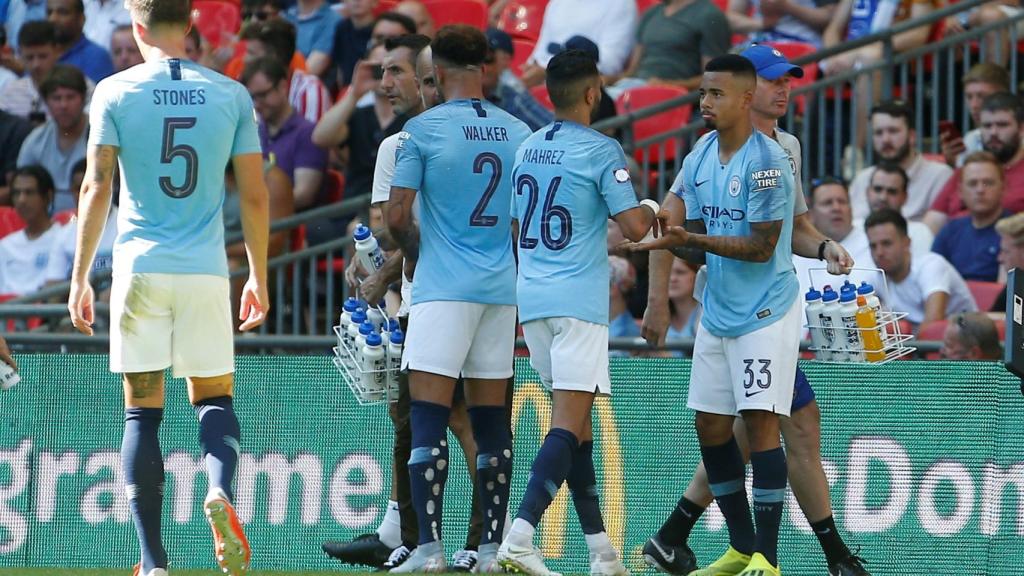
(749, 394)
(670, 556)
(702, 183)
(825, 531)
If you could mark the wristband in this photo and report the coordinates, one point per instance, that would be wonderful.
(821, 248)
(651, 204)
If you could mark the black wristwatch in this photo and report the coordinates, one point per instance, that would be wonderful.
(821, 248)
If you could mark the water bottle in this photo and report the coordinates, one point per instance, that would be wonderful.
(8, 376)
(374, 366)
(868, 322)
(365, 329)
(367, 250)
(832, 322)
(351, 333)
(848, 315)
(818, 338)
(395, 345)
(377, 318)
(868, 292)
(344, 320)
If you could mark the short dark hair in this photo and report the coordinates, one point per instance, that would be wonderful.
(414, 42)
(269, 66)
(893, 168)
(460, 45)
(567, 73)
(63, 76)
(896, 109)
(401, 19)
(734, 64)
(44, 181)
(152, 13)
(277, 34)
(826, 181)
(193, 33)
(79, 6)
(37, 33)
(886, 216)
(123, 28)
(1001, 101)
(983, 157)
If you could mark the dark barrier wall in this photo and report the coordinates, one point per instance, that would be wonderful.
(926, 461)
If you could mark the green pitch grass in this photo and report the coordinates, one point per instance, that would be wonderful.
(113, 572)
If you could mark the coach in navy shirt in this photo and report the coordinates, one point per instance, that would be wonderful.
(971, 243)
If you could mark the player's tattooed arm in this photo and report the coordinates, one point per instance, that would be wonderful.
(400, 222)
(757, 247)
(692, 254)
(94, 203)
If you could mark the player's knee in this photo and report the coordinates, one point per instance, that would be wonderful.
(713, 428)
(200, 389)
(144, 389)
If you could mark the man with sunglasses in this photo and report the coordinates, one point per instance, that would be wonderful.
(667, 551)
(261, 10)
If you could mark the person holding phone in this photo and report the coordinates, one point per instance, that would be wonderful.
(980, 82)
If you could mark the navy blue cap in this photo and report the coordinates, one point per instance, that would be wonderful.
(577, 43)
(770, 63)
(500, 40)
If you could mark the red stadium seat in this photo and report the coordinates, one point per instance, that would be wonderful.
(933, 332)
(9, 221)
(472, 12)
(986, 293)
(540, 93)
(792, 51)
(523, 50)
(384, 6)
(643, 96)
(64, 216)
(216, 20)
(643, 5)
(522, 19)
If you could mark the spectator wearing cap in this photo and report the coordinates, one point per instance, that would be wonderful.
(611, 27)
(315, 22)
(971, 336)
(68, 17)
(102, 18)
(60, 143)
(275, 38)
(504, 89)
(674, 41)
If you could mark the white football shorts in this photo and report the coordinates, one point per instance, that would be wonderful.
(569, 354)
(452, 338)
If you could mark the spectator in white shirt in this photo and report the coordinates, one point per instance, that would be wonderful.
(895, 140)
(24, 254)
(62, 253)
(103, 18)
(37, 45)
(612, 26)
(925, 286)
(887, 188)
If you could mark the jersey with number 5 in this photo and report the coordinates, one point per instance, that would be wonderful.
(459, 157)
(176, 125)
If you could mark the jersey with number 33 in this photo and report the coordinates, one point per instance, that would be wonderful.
(176, 125)
(459, 157)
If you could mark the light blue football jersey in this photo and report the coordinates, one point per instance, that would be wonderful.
(458, 156)
(177, 125)
(755, 186)
(568, 180)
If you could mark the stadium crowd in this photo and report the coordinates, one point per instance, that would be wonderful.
(945, 229)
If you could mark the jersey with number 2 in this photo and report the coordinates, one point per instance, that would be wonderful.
(459, 157)
(176, 125)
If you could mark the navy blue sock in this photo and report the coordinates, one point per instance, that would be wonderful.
(143, 466)
(550, 468)
(493, 467)
(676, 530)
(583, 483)
(769, 495)
(428, 466)
(219, 435)
(726, 475)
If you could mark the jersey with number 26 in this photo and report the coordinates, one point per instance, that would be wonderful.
(458, 156)
(755, 186)
(176, 125)
(568, 180)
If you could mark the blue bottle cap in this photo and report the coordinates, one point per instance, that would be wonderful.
(829, 295)
(812, 295)
(351, 305)
(359, 316)
(397, 337)
(361, 232)
(865, 288)
(366, 328)
(372, 339)
(848, 296)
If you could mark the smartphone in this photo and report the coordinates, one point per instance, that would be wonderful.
(949, 130)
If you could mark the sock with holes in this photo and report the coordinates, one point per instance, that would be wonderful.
(493, 468)
(428, 466)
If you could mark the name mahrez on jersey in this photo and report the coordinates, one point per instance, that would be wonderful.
(184, 97)
(485, 133)
(537, 156)
(766, 178)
